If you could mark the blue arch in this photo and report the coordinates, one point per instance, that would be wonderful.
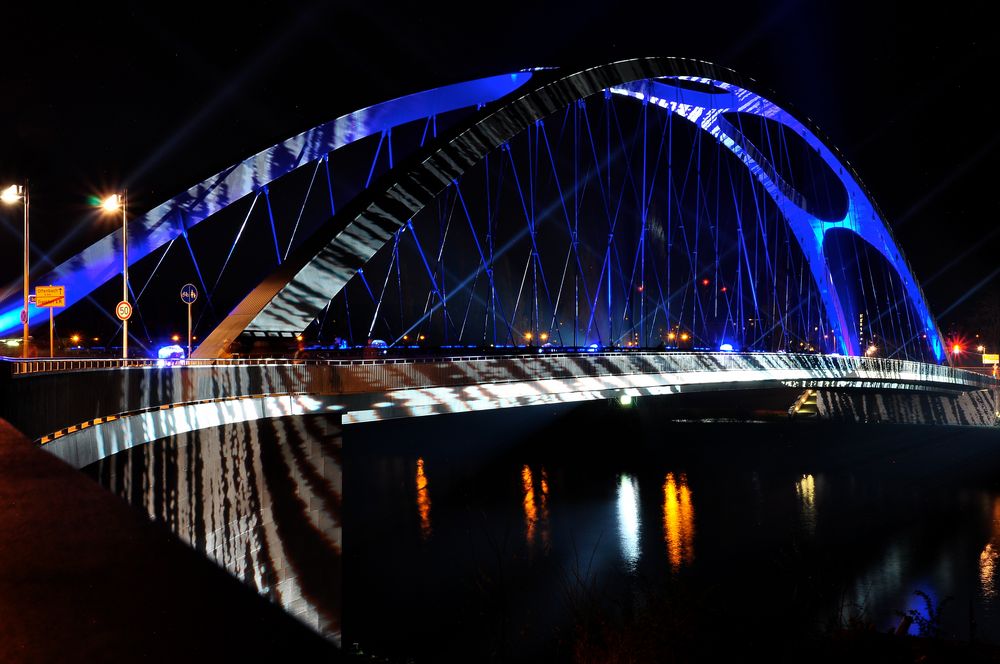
(292, 297)
(101, 261)
(705, 110)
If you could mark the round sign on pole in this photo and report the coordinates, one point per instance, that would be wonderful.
(189, 294)
(24, 316)
(123, 310)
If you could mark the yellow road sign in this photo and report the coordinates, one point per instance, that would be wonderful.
(50, 296)
(991, 358)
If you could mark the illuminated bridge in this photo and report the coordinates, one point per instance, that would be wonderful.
(657, 221)
(85, 411)
(650, 227)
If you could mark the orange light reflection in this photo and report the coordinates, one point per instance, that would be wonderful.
(423, 500)
(678, 521)
(536, 513)
(530, 513)
(990, 553)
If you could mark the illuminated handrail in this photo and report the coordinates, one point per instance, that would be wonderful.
(538, 365)
(86, 389)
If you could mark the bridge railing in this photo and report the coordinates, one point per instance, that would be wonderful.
(42, 396)
(533, 365)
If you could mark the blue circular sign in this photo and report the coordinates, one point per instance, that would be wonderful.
(189, 294)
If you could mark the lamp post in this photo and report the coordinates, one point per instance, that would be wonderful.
(11, 195)
(111, 204)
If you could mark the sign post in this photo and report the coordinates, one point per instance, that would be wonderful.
(50, 297)
(188, 295)
(124, 311)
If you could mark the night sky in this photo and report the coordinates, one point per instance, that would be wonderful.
(158, 98)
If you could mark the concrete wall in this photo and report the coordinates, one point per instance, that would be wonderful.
(967, 409)
(263, 501)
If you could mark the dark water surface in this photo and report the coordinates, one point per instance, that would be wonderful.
(579, 532)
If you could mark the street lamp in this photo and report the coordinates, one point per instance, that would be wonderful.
(113, 203)
(10, 196)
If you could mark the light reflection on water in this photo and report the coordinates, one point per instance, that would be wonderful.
(678, 521)
(629, 520)
(805, 488)
(989, 554)
(535, 505)
(423, 500)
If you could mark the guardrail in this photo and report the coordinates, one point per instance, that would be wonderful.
(41, 396)
(21, 367)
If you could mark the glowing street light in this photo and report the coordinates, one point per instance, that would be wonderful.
(10, 196)
(113, 203)
(956, 349)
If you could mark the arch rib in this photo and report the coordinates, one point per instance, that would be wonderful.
(101, 261)
(293, 296)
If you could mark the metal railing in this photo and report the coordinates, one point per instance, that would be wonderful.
(527, 364)
(43, 396)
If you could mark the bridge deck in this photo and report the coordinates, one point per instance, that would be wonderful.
(116, 404)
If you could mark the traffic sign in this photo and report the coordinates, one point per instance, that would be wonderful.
(24, 316)
(31, 298)
(123, 310)
(189, 294)
(991, 358)
(50, 296)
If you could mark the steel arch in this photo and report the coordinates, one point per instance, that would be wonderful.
(292, 297)
(101, 261)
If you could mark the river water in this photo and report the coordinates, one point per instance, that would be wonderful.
(577, 532)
